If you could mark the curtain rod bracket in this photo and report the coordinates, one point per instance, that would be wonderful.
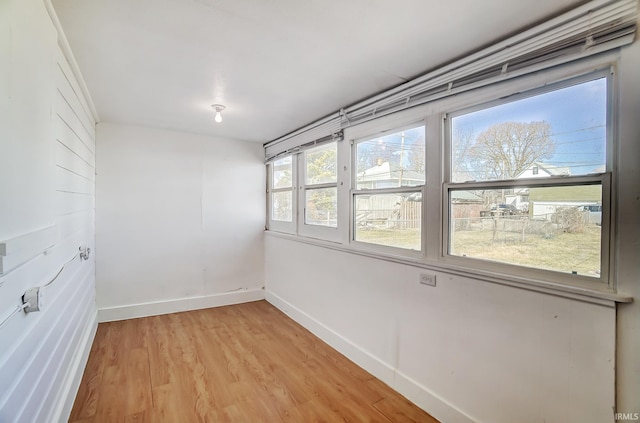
(344, 114)
(589, 42)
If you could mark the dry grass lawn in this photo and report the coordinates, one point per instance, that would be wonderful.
(563, 252)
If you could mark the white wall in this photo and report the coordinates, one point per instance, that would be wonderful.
(628, 232)
(180, 220)
(47, 202)
(465, 350)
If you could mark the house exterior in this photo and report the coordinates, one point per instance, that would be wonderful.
(543, 203)
(542, 170)
(387, 175)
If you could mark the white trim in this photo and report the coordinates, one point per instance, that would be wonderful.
(68, 54)
(432, 403)
(155, 308)
(73, 378)
(418, 394)
(606, 278)
(280, 225)
(353, 352)
(323, 128)
(17, 251)
(330, 233)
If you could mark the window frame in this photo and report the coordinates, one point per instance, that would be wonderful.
(605, 179)
(310, 230)
(434, 115)
(390, 128)
(280, 225)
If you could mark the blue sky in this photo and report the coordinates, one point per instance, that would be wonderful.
(577, 116)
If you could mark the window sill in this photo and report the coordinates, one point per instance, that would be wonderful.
(606, 298)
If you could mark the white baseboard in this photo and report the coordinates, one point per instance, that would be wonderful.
(428, 401)
(418, 394)
(72, 383)
(156, 308)
(370, 363)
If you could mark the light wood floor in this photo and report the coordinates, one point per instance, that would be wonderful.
(242, 363)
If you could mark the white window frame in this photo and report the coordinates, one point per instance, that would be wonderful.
(435, 211)
(327, 233)
(355, 191)
(279, 225)
(605, 179)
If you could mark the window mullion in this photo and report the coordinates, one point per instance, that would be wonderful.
(320, 186)
(400, 190)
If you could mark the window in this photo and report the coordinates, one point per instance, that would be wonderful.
(282, 194)
(307, 182)
(524, 176)
(514, 187)
(389, 177)
(320, 189)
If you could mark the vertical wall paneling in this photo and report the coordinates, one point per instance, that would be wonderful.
(47, 178)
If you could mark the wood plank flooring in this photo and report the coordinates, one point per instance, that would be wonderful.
(241, 363)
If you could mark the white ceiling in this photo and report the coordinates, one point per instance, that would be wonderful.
(276, 64)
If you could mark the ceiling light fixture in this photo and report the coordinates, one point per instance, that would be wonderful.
(218, 108)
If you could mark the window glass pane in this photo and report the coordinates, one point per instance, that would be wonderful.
(281, 206)
(562, 132)
(554, 228)
(389, 219)
(321, 207)
(282, 173)
(321, 164)
(392, 160)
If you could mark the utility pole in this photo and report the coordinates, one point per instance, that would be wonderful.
(401, 158)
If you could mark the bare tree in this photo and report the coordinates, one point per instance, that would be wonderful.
(462, 162)
(505, 150)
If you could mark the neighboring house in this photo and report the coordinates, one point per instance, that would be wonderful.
(544, 202)
(465, 204)
(520, 197)
(387, 175)
(389, 210)
(541, 170)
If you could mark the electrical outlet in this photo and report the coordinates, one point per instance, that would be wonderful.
(427, 279)
(35, 298)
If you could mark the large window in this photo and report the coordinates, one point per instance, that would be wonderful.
(387, 200)
(513, 187)
(529, 183)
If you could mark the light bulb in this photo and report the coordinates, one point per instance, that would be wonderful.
(218, 108)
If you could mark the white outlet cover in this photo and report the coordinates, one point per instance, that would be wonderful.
(427, 279)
